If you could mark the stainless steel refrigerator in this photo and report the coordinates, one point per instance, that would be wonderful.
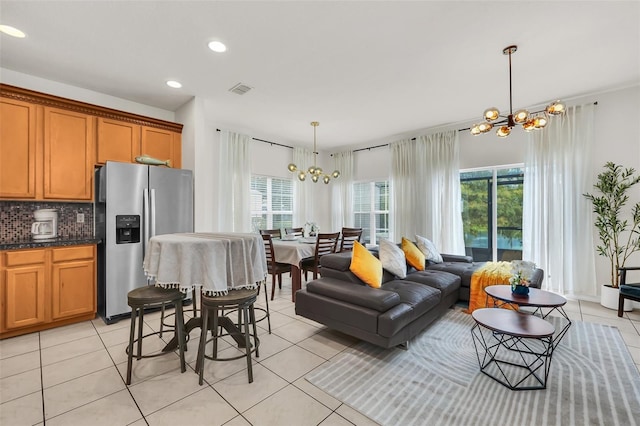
(134, 202)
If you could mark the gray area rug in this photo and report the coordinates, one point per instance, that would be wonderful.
(592, 381)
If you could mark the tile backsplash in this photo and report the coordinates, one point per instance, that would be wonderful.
(16, 218)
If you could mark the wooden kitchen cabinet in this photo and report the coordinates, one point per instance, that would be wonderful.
(24, 292)
(158, 143)
(123, 141)
(50, 145)
(46, 288)
(17, 149)
(117, 141)
(68, 154)
(73, 282)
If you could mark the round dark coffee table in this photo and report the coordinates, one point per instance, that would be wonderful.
(513, 348)
(543, 301)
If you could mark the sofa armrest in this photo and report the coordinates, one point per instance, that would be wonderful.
(357, 294)
(456, 258)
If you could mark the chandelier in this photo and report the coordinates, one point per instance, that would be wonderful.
(314, 171)
(528, 120)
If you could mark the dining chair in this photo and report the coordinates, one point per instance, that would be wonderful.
(349, 236)
(325, 244)
(628, 290)
(296, 232)
(275, 233)
(274, 268)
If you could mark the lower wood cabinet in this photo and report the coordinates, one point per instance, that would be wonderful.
(45, 288)
(24, 289)
(73, 289)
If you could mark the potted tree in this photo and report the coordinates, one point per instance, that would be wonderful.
(619, 233)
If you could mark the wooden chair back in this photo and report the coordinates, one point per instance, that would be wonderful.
(275, 233)
(349, 236)
(268, 248)
(325, 244)
(297, 232)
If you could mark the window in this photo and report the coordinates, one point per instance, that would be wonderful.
(371, 210)
(271, 203)
(492, 212)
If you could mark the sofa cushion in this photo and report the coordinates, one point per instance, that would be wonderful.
(378, 299)
(415, 300)
(392, 258)
(413, 254)
(445, 282)
(428, 249)
(461, 269)
(366, 266)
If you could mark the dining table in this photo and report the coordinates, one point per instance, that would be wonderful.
(213, 263)
(293, 252)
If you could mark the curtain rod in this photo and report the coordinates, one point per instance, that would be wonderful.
(355, 150)
(413, 139)
(269, 142)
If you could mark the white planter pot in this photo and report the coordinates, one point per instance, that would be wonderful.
(609, 299)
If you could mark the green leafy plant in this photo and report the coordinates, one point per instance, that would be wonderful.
(619, 238)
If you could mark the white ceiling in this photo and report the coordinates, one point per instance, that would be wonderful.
(368, 71)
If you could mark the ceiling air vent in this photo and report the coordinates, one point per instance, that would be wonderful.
(240, 89)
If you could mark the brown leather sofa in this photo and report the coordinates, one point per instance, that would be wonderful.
(396, 312)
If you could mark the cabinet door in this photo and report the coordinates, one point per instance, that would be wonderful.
(17, 149)
(73, 289)
(68, 160)
(117, 141)
(177, 151)
(157, 143)
(24, 296)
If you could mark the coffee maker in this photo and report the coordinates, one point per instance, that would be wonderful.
(45, 226)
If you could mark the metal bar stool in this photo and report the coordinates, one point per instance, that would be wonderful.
(267, 315)
(164, 316)
(242, 301)
(148, 297)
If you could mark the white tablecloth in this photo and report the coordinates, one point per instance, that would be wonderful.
(216, 262)
(292, 252)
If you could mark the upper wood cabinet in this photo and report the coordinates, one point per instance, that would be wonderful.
(123, 141)
(17, 149)
(117, 141)
(68, 154)
(50, 145)
(157, 143)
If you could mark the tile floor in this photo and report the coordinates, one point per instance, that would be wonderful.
(74, 375)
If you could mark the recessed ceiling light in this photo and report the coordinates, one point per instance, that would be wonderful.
(174, 84)
(12, 31)
(217, 46)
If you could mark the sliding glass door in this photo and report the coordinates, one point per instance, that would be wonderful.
(492, 213)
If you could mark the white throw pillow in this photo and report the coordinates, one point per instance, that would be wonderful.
(429, 249)
(392, 258)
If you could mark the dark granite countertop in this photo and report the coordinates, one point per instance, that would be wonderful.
(55, 242)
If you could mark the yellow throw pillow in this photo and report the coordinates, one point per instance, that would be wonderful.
(414, 256)
(366, 266)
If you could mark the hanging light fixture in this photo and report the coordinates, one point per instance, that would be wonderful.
(314, 171)
(528, 120)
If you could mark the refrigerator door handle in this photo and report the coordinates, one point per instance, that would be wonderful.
(153, 212)
(145, 220)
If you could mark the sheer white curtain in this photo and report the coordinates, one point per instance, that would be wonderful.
(303, 211)
(557, 217)
(342, 191)
(438, 199)
(403, 168)
(234, 183)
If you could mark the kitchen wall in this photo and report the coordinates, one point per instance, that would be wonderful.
(16, 218)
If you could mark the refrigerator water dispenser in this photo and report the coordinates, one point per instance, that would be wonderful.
(127, 229)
